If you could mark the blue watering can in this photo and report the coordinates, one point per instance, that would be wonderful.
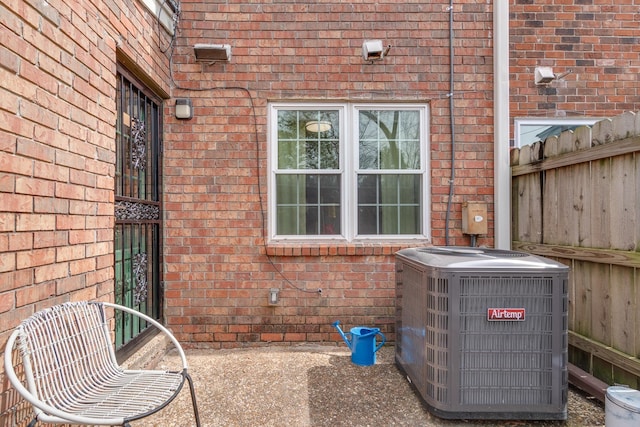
(363, 344)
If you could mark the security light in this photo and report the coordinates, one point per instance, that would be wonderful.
(212, 52)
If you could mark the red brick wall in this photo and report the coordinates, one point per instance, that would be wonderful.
(57, 142)
(217, 272)
(597, 41)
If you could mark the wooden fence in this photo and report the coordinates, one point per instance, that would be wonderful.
(576, 199)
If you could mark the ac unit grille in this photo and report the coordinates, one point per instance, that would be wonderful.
(511, 357)
(437, 338)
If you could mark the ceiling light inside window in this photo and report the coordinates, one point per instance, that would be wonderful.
(316, 126)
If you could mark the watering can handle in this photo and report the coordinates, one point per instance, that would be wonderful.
(384, 340)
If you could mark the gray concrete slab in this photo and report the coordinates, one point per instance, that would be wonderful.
(317, 386)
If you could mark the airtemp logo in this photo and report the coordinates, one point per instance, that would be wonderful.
(506, 314)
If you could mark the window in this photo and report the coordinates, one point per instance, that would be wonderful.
(528, 131)
(348, 171)
(165, 11)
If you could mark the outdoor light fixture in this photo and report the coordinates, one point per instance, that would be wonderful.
(212, 52)
(273, 296)
(373, 50)
(184, 108)
(545, 75)
(316, 126)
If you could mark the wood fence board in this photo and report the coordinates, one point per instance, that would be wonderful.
(566, 221)
(637, 200)
(636, 288)
(582, 136)
(515, 207)
(582, 303)
(624, 126)
(617, 148)
(594, 255)
(598, 276)
(550, 148)
(523, 209)
(602, 132)
(583, 204)
(623, 309)
(550, 207)
(572, 307)
(529, 208)
(600, 215)
(535, 208)
(566, 142)
(622, 202)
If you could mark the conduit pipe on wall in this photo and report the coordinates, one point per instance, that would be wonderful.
(452, 123)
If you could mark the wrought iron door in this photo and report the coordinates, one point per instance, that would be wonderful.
(138, 214)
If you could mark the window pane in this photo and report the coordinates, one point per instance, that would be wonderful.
(308, 204)
(410, 189)
(410, 220)
(389, 204)
(288, 220)
(287, 190)
(389, 139)
(288, 155)
(308, 139)
(367, 220)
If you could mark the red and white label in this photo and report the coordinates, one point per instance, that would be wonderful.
(505, 314)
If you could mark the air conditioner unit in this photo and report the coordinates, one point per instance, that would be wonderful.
(482, 333)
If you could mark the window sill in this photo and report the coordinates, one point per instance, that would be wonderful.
(341, 248)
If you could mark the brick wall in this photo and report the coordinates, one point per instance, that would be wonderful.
(598, 42)
(57, 128)
(57, 142)
(217, 273)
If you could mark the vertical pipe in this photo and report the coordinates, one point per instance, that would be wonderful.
(502, 170)
(453, 128)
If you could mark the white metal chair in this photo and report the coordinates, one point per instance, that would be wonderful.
(71, 371)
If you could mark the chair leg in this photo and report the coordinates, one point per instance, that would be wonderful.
(193, 400)
(33, 422)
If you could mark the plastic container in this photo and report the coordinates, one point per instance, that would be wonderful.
(622, 407)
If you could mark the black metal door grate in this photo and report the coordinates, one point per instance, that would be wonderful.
(137, 207)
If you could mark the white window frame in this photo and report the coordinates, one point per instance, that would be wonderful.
(520, 123)
(164, 11)
(348, 168)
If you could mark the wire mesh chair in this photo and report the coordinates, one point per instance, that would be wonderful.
(71, 371)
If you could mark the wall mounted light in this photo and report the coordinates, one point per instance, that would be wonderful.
(374, 50)
(184, 108)
(316, 126)
(545, 75)
(274, 296)
(212, 52)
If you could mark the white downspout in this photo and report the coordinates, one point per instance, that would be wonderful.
(502, 169)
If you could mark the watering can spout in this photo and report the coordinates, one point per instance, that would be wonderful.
(336, 325)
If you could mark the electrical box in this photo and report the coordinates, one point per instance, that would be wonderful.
(474, 218)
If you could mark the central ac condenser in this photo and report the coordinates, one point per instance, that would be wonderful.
(482, 333)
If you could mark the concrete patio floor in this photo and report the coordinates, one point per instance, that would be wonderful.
(317, 386)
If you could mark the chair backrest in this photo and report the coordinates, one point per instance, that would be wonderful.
(66, 349)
